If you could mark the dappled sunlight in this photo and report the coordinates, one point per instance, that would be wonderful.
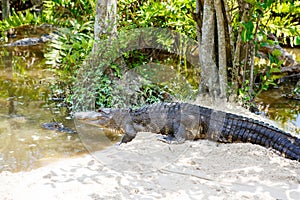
(204, 170)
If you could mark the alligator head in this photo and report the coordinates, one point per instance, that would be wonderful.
(103, 118)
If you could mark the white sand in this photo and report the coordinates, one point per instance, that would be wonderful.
(149, 169)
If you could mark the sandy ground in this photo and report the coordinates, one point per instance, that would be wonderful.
(149, 169)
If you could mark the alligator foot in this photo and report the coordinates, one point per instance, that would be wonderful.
(117, 144)
(126, 138)
(169, 139)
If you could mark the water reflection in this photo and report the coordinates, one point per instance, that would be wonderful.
(24, 106)
(285, 112)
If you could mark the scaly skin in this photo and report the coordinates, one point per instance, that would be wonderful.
(183, 121)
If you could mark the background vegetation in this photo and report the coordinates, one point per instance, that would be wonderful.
(74, 23)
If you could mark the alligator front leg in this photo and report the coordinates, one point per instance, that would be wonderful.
(178, 137)
(126, 138)
(170, 139)
(129, 135)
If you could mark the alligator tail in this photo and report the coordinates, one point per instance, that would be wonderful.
(242, 129)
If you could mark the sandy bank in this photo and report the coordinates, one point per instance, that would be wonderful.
(149, 169)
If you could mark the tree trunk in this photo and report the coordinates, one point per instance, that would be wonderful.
(105, 48)
(5, 9)
(209, 73)
(224, 61)
(221, 48)
(105, 21)
(215, 48)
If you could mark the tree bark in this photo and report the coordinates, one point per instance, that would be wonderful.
(105, 49)
(209, 73)
(224, 61)
(221, 48)
(197, 16)
(215, 49)
(5, 9)
(105, 21)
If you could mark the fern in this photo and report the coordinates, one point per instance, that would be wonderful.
(18, 19)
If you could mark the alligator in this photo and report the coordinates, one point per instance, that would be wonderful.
(58, 127)
(30, 41)
(178, 122)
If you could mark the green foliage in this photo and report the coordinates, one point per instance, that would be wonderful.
(63, 12)
(104, 97)
(173, 14)
(67, 53)
(296, 90)
(283, 20)
(177, 15)
(75, 35)
(247, 33)
(58, 12)
(71, 46)
(277, 18)
(74, 42)
(268, 79)
(19, 19)
(136, 58)
(245, 93)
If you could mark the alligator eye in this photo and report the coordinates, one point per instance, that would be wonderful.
(104, 111)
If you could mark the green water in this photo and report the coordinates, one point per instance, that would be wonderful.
(24, 106)
(285, 112)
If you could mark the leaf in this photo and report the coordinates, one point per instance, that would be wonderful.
(297, 40)
(274, 70)
(244, 35)
(276, 53)
(253, 2)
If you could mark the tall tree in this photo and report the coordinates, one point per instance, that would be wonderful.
(5, 9)
(214, 45)
(105, 21)
(227, 56)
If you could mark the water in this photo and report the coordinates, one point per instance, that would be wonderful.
(25, 105)
(285, 112)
